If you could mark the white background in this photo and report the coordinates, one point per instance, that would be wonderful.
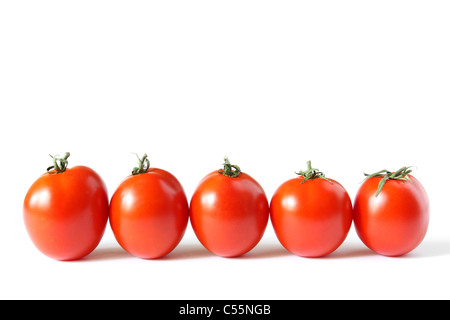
(354, 86)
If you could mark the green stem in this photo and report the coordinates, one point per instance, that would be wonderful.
(143, 165)
(311, 173)
(401, 174)
(228, 169)
(59, 164)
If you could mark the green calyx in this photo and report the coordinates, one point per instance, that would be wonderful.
(230, 170)
(59, 164)
(143, 165)
(311, 173)
(401, 174)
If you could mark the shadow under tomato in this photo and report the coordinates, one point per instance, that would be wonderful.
(429, 248)
(264, 251)
(350, 250)
(192, 251)
(188, 251)
(182, 251)
(107, 253)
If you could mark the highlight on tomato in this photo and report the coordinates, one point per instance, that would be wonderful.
(149, 212)
(229, 211)
(311, 214)
(66, 210)
(391, 212)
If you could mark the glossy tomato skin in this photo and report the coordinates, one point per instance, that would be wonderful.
(311, 219)
(149, 213)
(66, 214)
(229, 214)
(396, 221)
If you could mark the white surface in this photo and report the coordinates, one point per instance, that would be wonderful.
(354, 86)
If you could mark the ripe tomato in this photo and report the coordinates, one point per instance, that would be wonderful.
(391, 212)
(149, 212)
(311, 214)
(66, 211)
(229, 211)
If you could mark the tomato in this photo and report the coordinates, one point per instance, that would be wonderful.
(66, 211)
(391, 212)
(229, 211)
(311, 215)
(149, 212)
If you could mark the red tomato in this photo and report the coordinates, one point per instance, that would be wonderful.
(66, 213)
(229, 212)
(149, 212)
(395, 221)
(311, 215)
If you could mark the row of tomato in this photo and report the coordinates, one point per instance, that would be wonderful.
(66, 212)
